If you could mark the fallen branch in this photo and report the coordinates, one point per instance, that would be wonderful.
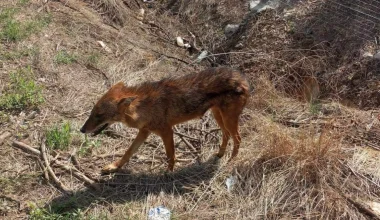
(25, 147)
(183, 160)
(361, 207)
(76, 173)
(74, 159)
(51, 172)
(4, 136)
(80, 176)
(188, 144)
(44, 170)
(110, 155)
(359, 175)
(187, 136)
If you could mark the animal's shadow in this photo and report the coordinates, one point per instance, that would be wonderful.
(126, 187)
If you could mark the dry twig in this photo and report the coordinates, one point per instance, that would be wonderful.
(188, 144)
(50, 170)
(361, 207)
(76, 173)
(74, 159)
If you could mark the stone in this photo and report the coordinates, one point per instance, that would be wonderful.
(230, 29)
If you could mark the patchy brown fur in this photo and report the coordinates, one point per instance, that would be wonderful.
(310, 89)
(158, 106)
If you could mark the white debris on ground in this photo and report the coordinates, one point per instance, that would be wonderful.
(159, 213)
(230, 182)
(180, 43)
(230, 29)
(201, 56)
(261, 5)
(105, 47)
(375, 206)
(141, 14)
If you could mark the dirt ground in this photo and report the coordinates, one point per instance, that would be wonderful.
(301, 157)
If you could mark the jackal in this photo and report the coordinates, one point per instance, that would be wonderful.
(155, 107)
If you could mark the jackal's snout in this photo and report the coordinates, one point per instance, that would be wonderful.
(83, 130)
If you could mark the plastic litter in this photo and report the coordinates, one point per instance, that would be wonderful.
(201, 56)
(106, 48)
(159, 213)
(180, 42)
(230, 182)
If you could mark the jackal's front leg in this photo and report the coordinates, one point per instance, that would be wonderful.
(167, 137)
(140, 138)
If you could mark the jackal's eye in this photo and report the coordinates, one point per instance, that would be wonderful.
(99, 115)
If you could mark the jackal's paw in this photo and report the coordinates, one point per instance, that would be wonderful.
(110, 168)
(218, 155)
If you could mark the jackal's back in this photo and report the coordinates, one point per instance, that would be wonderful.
(193, 94)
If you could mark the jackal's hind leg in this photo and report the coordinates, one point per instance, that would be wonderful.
(225, 134)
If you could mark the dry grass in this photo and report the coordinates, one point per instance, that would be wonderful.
(297, 160)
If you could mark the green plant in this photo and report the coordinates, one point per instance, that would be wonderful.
(63, 57)
(23, 2)
(315, 107)
(14, 30)
(6, 14)
(23, 92)
(42, 20)
(87, 146)
(3, 117)
(93, 59)
(59, 137)
(17, 54)
(37, 213)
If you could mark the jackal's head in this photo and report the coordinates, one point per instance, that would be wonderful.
(108, 110)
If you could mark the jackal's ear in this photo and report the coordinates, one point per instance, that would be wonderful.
(118, 85)
(126, 101)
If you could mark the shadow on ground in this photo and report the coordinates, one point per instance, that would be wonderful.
(125, 187)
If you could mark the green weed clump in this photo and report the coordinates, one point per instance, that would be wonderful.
(14, 30)
(63, 57)
(37, 213)
(22, 93)
(59, 137)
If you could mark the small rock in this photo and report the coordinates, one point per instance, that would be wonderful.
(377, 56)
(230, 29)
(253, 4)
(239, 46)
(4, 136)
(288, 13)
(259, 6)
(265, 8)
(180, 42)
(141, 11)
(140, 16)
(187, 45)
(367, 54)
(375, 206)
